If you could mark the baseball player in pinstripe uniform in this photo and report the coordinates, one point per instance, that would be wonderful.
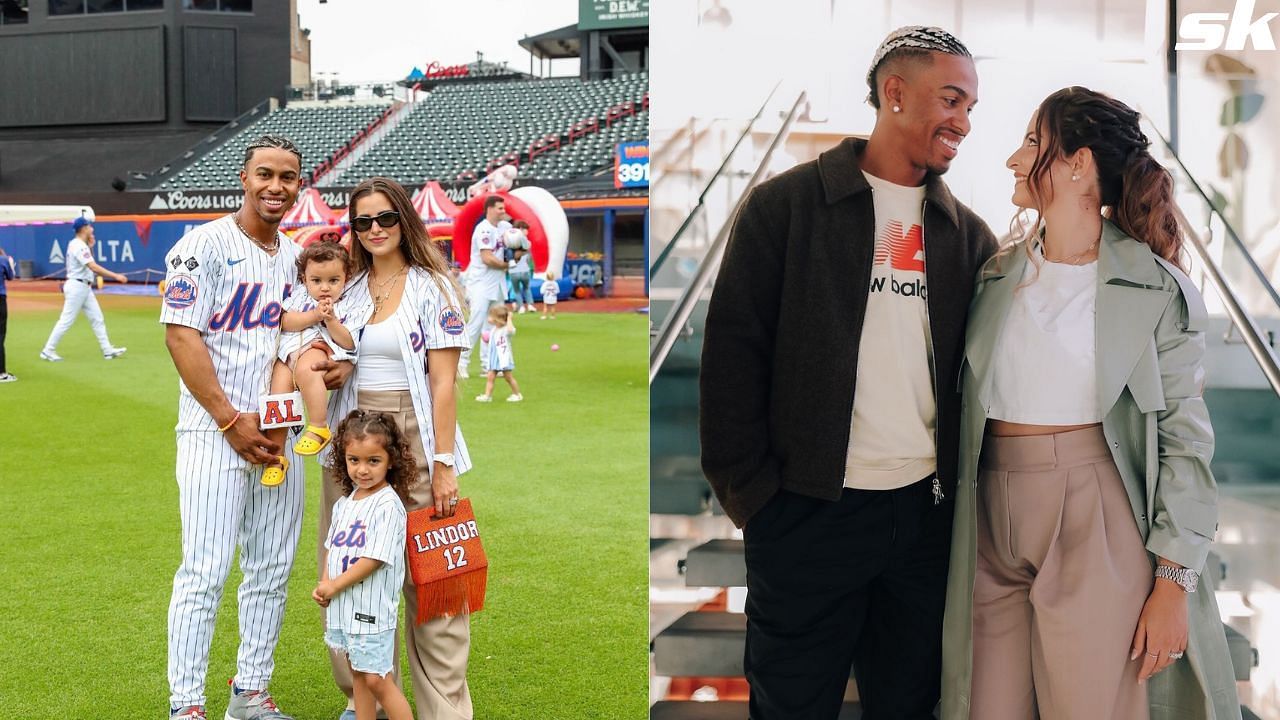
(226, 283)
(78, 294)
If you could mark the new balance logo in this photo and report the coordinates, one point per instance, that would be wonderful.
(1212, 29)
(904, 251)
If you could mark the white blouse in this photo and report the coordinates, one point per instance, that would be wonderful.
(1045, 364)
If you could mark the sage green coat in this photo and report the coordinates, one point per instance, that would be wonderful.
(1150, 343)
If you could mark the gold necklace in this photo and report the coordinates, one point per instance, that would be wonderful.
(379, 300)
(236, 217)
(1071, 260)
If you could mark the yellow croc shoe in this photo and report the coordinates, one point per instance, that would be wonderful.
(275, 472)
(307, 446)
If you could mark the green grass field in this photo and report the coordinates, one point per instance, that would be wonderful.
(90, 520)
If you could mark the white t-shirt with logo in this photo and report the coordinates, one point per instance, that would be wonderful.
(78, 258)
(484, 282)
(222, 284)
(372, 527)
(891, 438)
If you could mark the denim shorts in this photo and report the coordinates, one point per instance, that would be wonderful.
(372, 653)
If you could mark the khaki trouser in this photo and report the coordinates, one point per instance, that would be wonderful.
(1061, 579)
(438, 648)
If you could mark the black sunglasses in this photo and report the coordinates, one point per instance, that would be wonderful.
(388, 218)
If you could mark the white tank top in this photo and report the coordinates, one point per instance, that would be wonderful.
(381, 364)
(1045, 366)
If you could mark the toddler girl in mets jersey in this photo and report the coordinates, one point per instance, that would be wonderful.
(363, 572)
(323, 268)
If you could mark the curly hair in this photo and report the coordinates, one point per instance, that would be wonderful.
(402, 473)
(323, 251)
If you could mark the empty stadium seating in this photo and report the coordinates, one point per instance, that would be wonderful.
(552, 129)
(462, 128)
(317, 130)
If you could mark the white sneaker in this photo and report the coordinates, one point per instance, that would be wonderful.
(50, 355)
(515, 398)
(530, 308)
(544, 317)
(484, 398)
(114, 352)
(463, 374)
(8, 377)
(522, 310)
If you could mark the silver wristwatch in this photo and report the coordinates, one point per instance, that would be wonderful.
(1186, 578)
(445, 459)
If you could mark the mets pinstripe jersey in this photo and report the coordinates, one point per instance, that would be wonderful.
(78, 258)
(222, 284)
(428, 318)
(372, 527)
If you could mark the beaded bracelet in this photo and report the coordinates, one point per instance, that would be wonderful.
(227, 427)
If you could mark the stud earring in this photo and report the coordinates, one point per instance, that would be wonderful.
(897, 109)
(1075, 177)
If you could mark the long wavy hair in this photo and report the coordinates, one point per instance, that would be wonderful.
(416, 245)
(1137, 192)
(402, 473)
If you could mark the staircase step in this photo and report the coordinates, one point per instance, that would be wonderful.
(718, 563)
(679, 496)
(727, 710)
(1243, 656)
(702, 644)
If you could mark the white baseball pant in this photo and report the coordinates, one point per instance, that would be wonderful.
(223, 504)
(478, 307)
(78, 296)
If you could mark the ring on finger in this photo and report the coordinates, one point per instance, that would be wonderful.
(1176, 655)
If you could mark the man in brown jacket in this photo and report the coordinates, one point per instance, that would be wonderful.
(852, 270)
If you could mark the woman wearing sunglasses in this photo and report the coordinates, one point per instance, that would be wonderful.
(409, 314)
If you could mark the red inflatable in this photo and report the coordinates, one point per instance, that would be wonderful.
(473, 212)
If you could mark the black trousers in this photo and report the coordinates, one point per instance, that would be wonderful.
(4, 327)
(859, 582)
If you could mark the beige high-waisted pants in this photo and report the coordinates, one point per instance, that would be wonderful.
(437, 648)
(1061, 579)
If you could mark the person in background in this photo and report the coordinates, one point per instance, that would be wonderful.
(550, 291)
(78, 294)
(7, 272)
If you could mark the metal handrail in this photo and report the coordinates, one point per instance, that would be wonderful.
(702, 196)
(1253, 337)
(684, 307)
(1231, 233)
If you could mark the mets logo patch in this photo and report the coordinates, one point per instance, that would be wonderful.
(180, 292)
(451, 321)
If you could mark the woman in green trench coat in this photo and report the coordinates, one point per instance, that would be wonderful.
(1085, 507)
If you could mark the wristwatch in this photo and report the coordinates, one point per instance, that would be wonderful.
(445, 459)
(1186, 578)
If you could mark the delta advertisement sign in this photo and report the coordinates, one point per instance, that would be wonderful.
(127, 246)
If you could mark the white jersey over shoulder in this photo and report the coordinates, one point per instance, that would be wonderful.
(78, 258)
(372, 527)
(222, 284)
